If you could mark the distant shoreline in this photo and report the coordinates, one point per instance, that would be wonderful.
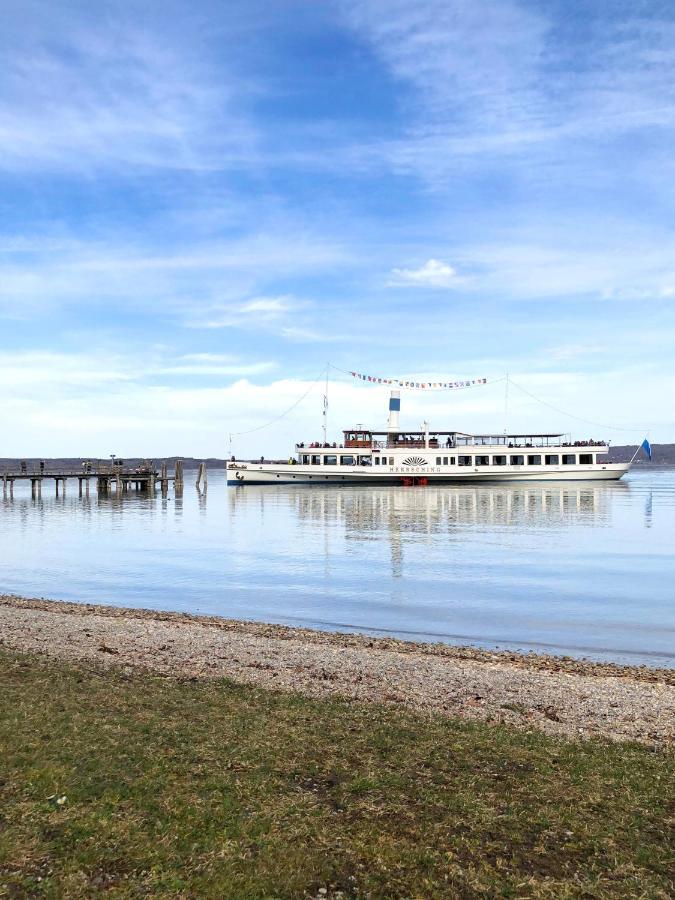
(558, 695)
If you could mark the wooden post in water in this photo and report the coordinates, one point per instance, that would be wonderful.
(202, 476)
(164, 479)
(178, 478)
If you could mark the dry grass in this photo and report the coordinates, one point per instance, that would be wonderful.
(206, 788)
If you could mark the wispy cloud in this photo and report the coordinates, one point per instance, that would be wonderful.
(120, 95)
(20, 370)
(507, 80)
(315, 336)
(91, 372)
(206, 369)
(267, 306)
(195, 278)
(434, 273)
(565, 352)
(257, 312)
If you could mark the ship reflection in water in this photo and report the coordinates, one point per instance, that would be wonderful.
(585, 568)
(564, 567)
(396, 513)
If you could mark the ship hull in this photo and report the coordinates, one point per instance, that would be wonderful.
(269, 473)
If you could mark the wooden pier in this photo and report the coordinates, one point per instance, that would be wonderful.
(109, 478)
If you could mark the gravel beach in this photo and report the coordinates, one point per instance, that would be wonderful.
(558, 695)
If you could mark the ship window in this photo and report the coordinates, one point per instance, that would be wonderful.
(517, 460)
(330, 460)
(452, 460)
(498, 460)
(482, 460)
(376, 460)
(465, 460)
(346, 460)
(552, 460)
(391, 460)
(534, 460)
(305, 459)
(569, 459)
(316, 460)
(445, 460)
(438, 460)
(585, 459)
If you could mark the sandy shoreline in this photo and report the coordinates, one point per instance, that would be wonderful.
(558, 695)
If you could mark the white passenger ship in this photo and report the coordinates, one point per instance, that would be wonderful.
(421, 457)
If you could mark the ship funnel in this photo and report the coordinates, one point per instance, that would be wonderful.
(394, 410)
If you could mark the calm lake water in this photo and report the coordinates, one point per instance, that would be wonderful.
(586, 569)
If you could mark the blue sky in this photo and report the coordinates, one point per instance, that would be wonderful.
(202, 204)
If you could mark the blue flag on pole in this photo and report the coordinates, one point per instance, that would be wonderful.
(647, 447)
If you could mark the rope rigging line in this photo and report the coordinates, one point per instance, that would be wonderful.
(572, 416)
(399, 382)
(286, 412)
(509, 381)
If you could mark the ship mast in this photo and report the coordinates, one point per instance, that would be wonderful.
(325, 411)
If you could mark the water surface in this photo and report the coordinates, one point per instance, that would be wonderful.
(580, 568)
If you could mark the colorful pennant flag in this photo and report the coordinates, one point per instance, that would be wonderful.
(424, 385)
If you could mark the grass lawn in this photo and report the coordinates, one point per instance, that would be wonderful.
(206, 788)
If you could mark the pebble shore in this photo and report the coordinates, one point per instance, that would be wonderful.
(557, 695)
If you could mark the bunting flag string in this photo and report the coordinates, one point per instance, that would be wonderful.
(421, 385)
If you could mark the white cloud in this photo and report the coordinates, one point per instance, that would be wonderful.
(157, 420)
(45, 371)
(259, 312)
(205, 368)
(267, 306)
(89, 372)
(433, 273)
(204, 281)
(497, 80)
(120, 95)
(224, 358)
(608, 260)
(308, 335)
(566, 352)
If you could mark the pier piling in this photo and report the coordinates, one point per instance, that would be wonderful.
(141, 478)
(202, 476)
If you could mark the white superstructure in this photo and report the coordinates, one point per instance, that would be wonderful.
(421, 457)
